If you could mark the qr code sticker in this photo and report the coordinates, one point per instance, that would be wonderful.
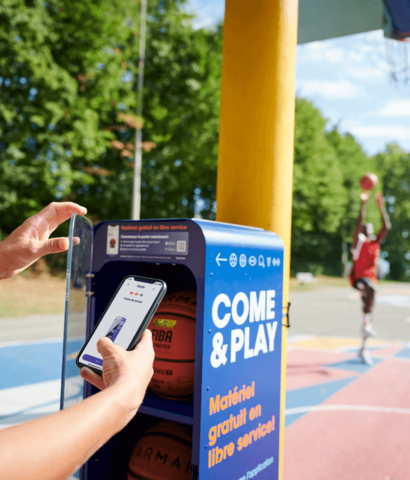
(181, 246)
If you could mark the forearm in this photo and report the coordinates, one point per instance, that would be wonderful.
(53, 447)
(5, 268)
(359, 224)
(385, 218)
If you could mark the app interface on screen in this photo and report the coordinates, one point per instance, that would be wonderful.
(123, 318)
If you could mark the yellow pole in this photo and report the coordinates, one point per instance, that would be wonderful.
(255, 164)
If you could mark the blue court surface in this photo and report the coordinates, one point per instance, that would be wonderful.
(31, 378)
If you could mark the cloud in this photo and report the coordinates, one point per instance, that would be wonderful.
(336, 90)
(322, 52)
(349, 56)
(208, 12)
(367, 73)
(390, 132)
(395, 108)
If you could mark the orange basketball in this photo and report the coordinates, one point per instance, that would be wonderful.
(369, 181)
(173, 334)
(163, 453)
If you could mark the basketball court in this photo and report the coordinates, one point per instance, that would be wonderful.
(344, 419)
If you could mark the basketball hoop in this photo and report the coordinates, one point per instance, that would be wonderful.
(396, 26)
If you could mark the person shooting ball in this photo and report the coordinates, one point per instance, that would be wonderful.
(365, 254)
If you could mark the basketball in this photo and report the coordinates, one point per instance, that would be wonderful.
(369, 181)
(173, 334)
(163, 453)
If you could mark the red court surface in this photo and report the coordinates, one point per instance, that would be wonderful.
(346, 420)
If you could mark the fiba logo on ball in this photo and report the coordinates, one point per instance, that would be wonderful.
(173, 334)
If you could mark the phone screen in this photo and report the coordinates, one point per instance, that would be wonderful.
(124, 316)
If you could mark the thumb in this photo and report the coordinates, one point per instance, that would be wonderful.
(146, 340)
(106, 347)
(145, 346)
(54, 245)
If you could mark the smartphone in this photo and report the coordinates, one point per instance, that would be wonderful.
(125, 319)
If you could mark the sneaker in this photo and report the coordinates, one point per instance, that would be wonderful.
(368, 331)
(365, 356)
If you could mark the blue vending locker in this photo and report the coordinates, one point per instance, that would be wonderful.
(237, 273)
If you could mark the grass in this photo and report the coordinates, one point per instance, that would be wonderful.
(31, 295)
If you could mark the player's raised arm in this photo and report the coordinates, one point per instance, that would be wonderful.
(364, 196)
(385, 218)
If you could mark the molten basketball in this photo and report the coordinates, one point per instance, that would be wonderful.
(173, 334)
(163, 453)
(368, 181)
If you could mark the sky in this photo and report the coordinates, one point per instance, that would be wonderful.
(348, 79)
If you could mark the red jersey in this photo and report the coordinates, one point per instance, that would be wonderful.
(365, 260)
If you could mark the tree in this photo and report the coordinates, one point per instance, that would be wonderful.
(394, 164)
(319, 197)
(181, 120)
(182, 90)
(68, 95)
(326, 191)
(354, 163)
(63, 75)
(67, 123)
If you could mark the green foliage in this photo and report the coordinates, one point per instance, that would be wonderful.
(326, 195)
(354, 163)
(182, 89)
(68, 70)
(395, 166)
(318, 193)
(68, 90)
(60, 80)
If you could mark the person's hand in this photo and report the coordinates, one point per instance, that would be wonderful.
(127, 372)
(364, 197)
(379, 200)
(30, 241)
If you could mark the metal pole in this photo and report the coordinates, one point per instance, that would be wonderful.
(136, 206)
(255, 164)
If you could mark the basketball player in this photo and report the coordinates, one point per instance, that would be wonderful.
(363, 276)
(54, 447)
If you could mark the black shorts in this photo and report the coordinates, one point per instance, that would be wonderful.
(364, 282)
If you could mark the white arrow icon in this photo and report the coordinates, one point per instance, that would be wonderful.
(219, 259)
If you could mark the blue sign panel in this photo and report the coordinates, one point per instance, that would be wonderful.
(241, 362)
(237, 275)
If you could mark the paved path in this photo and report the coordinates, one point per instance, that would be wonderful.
(36, 327)
(329, 311)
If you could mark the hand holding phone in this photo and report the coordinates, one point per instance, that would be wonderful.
(126, 374)
(125, 319)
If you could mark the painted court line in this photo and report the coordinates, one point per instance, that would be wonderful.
(37, 342)
(353, 408)
(30, 342)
